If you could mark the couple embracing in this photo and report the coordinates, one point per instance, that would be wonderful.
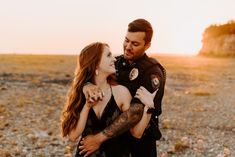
(114, 103)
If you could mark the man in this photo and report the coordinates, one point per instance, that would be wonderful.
(134, 69)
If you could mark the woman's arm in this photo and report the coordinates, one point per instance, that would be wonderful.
(77, 131)
(138, 130)
(122, 97)
(147, 99)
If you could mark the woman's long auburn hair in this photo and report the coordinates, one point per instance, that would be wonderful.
(88, 60)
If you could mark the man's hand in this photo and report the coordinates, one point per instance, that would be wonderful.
(91, 143)
(145, 97)
(92, 93)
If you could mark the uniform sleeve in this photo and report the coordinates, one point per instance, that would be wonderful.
(154, 79)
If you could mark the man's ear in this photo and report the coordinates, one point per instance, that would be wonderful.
(147, 46)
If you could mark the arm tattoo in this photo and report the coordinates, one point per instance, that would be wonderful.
(125, 121)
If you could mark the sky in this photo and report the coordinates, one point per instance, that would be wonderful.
(66, 26)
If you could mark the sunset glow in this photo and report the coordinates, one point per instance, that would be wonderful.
(64, 27)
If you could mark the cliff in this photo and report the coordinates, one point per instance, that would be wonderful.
(219, 40)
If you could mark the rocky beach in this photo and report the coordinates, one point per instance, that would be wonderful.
(198, 118)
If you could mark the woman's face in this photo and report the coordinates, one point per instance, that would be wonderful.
(107, 65)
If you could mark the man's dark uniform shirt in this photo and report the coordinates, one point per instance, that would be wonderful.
(149, 73)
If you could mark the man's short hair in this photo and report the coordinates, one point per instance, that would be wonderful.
(142, 25)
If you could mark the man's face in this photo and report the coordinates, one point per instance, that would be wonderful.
(134, 45)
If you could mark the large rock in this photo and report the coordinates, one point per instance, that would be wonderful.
(219, 40)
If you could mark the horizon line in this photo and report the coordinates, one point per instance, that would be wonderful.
(115, 54)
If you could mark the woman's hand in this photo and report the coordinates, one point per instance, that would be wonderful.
(90, 104)
(92, 92)
(145, 97)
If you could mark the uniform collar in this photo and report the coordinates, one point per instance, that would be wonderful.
(144, 56)
(139, 59)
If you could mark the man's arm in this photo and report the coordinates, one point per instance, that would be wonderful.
(125, 121)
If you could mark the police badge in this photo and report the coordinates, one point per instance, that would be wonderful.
(133, 74)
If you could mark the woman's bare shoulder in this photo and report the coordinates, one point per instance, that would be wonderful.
(120, 89)
(122, 96)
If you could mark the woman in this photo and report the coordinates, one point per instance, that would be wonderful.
(81, 118)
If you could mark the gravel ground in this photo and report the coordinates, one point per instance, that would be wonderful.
(198, 110)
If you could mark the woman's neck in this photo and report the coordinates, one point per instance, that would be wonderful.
(101, 82)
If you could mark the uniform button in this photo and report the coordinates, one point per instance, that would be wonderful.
(124, 64)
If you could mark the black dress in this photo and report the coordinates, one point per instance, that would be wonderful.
(115, 147)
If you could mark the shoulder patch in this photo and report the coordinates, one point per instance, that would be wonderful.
(155, 81)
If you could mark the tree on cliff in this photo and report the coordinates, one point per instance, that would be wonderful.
(219, 40)
(214, 31)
